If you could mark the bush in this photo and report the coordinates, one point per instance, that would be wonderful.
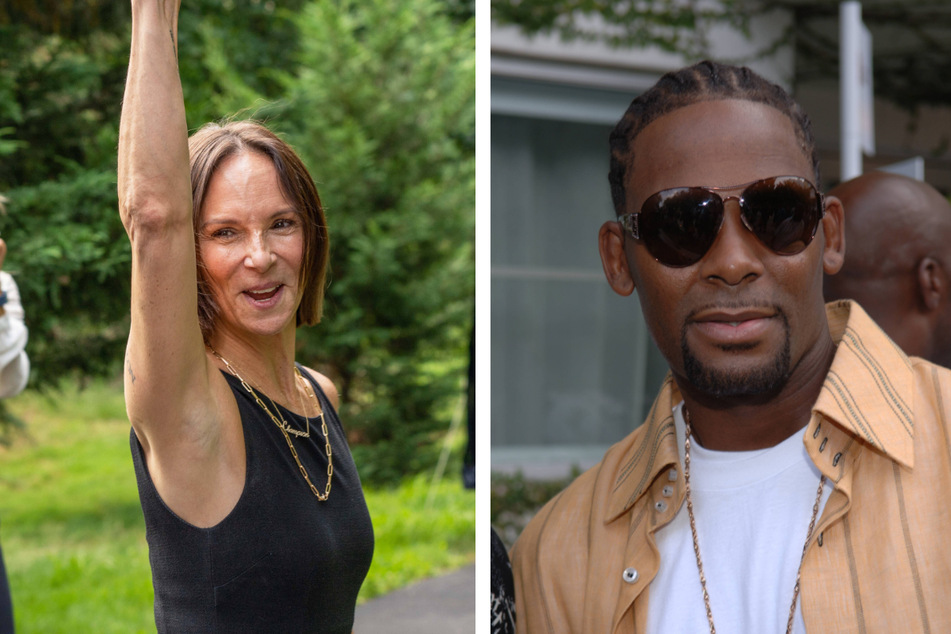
(389, 139)
(515, 499)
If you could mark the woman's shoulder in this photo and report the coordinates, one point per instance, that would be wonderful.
(328, 387)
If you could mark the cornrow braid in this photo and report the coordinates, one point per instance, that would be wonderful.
(705, 81)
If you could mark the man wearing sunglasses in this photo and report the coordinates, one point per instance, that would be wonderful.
(793, 473)
(897, 265)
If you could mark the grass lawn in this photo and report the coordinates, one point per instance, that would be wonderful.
(74, 539)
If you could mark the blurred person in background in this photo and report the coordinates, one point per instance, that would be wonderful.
(898, 232)
(502, 602)
(14, 372)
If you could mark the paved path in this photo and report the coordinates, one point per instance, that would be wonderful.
(441, 605)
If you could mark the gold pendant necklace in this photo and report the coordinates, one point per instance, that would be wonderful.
(696, 543)
(286, 429)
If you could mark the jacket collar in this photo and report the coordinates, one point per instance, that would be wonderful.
(868, 392)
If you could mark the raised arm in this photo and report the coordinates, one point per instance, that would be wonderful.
(166, 374)
(154, 183)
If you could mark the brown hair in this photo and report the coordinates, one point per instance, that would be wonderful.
(705, 81)
(208, 148)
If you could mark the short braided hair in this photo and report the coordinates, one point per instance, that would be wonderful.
(705, 81)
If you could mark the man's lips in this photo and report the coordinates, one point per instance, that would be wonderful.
(733, 327)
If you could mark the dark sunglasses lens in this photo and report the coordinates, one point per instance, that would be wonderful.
(679, 225)
(783, 213)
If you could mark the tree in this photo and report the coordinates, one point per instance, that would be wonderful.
(59, 100)
(676, 26)
(385, 119)
(910, 58)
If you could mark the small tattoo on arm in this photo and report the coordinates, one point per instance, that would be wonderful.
(131, 373)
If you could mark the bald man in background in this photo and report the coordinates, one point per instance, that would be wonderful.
(898, 237)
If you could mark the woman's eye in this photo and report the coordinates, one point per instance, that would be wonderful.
(284, 223)
(223, 233)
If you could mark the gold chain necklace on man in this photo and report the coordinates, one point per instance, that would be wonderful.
(286, 429)
(696, 544)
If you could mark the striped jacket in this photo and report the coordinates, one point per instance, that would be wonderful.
(880, 560)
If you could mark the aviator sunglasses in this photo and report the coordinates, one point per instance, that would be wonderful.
(679, 225)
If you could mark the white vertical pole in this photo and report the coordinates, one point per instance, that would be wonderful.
(850, 27)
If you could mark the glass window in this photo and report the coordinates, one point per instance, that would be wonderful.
(573, 367)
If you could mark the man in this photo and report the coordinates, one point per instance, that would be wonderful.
(899, 234)
(791, 475)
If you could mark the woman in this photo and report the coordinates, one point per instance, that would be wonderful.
(254, 513)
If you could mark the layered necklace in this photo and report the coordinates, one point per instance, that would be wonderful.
(696, 544)
(287, 430)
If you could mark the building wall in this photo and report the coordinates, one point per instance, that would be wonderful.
(899, 135)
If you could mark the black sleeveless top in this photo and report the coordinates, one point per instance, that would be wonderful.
(281, 561)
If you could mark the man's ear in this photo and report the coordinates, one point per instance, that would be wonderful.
(932, 283)
(833, 229)
(614, 259)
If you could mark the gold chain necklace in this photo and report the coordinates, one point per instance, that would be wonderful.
(286, 429)
(696, 544)
(310, 393)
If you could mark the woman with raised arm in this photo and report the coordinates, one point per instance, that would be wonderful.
(255, 517)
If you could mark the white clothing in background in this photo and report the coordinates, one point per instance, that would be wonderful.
(14, 364)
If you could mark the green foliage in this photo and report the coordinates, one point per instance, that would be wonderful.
(75, 281)
(10, 425)
(379, 100)
(415, 541)
(74, 538)
(73, 535)
(671, 25)
(59, 103)
(515, 499)
(390, 143)
(230, 57)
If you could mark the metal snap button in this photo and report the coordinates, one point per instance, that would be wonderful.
(660, 505)
(630, 575)
(672, 475)
(667, 491)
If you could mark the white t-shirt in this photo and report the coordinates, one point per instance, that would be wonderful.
(752, 511)
(14, 364)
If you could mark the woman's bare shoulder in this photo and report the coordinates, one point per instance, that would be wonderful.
(326, 385)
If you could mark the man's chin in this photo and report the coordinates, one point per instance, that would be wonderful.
(732, 385)
(738, 379)
(742, 371)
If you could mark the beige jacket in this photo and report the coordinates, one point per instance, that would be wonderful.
(881, 558)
